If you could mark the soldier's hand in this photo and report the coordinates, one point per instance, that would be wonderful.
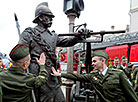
(55, 73)
(42, 59)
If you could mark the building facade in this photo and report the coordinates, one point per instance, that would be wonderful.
(133, 15)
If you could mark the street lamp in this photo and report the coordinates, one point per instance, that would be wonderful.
(72, 8)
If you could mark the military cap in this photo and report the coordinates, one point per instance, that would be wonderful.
(123, 57)
(116, 58)
(130, 65)
(19, 51)
(101, 54)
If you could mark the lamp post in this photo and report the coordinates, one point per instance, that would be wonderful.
(72, 9)
(71, 17)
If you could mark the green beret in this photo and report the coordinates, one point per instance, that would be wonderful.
(101, 54)
(130, 65)
(123, 57)
(116, 58)
(19, 51)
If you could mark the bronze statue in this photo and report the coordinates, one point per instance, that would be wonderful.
(41, 39)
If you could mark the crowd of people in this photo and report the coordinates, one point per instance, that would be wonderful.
(129, 69)
(33, 75)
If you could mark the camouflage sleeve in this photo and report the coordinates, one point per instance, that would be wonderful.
(76, 77)
(36, 81)
(127, 88)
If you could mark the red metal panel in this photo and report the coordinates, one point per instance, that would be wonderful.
(134, 53)
(116, 51)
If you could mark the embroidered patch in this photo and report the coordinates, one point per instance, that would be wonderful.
(41, 76)
(30, 74)
(132, 75)
(135, 81)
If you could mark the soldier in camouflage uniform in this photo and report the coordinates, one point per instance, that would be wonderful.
(41, 39)
(110, 84)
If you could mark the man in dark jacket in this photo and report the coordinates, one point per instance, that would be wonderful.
(41, 39)
(110, 84)
(16, 84)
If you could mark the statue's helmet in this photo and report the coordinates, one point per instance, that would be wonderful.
(42, 9)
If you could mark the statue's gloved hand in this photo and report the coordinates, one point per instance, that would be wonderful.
(83, 33)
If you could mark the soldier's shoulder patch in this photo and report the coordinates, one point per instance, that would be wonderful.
(135, 81)
(120, 70)
(113, 69)
(94, 71)
(30, 74)
(40, 76)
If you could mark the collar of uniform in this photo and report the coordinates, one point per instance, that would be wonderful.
(115, 65)
(16, 69)
(123, 67)
(104, 72)
(41, 30)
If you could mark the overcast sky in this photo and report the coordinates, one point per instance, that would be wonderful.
(98, 14)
